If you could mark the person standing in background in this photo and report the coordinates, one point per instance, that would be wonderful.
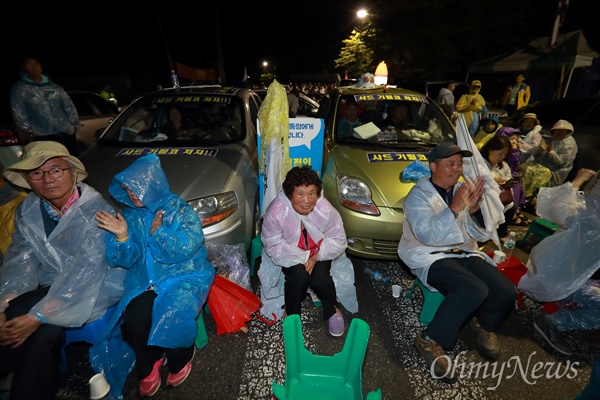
(293, 96)
(517, 95)
(471, 105)
(108, 94)
(445, 98)
(42, 109)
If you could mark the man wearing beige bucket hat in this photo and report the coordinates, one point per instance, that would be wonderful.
(55, 274)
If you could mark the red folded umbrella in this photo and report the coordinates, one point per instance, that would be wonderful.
(232, 306)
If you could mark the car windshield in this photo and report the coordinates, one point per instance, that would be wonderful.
(195, 119)
(390, 120)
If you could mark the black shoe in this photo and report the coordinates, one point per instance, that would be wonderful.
(552, 335)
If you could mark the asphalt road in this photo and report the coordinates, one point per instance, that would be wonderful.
(244, 365)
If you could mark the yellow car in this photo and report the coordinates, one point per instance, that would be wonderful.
(364, 161)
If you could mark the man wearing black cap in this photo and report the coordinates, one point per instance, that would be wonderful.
(442, 225)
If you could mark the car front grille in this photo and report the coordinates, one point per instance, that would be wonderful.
(386, 248)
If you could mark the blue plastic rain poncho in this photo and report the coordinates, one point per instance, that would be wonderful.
(280, 235)
(71, 260)
(561, 263)
(429, 228)
(173, 260)
(41, 109)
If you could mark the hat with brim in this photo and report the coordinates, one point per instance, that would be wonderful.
(562, 124)
(530, 115)
(35, 155)
(445, 150)
(476, 83)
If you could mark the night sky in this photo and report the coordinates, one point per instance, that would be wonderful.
(105, 41)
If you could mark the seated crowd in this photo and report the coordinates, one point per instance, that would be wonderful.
(101, 257)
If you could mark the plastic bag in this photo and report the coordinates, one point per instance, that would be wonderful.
(416, 170)
(548, 199)
(231, 262)
(533, 176)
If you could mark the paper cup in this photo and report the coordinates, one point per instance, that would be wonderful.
(396, 290)
(98, 387)
(499, 256)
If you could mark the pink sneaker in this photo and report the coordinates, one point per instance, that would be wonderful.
(150, 384)
(177, 378)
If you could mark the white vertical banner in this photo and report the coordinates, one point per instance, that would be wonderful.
(491, 206)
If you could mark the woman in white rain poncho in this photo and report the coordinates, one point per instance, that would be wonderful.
(305, 258)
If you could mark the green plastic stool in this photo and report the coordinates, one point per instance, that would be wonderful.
(201, 335)
(431, 301)
(317, 377)
(539, 229)
(255, 252)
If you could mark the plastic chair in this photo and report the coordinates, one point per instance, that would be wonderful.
(317, 377)
(255, 252)
(431, 301)
(539, 229)
(90, 333)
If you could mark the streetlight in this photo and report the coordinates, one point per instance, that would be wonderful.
(362, 14)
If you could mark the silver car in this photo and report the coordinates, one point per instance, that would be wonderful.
(211, 159)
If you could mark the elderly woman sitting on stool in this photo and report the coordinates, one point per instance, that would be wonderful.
(303, 237)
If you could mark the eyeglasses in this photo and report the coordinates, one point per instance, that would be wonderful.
(55, 172)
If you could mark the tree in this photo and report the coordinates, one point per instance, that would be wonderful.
(356, 55)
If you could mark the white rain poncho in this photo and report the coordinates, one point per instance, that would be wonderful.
(41, 109)
(561, 263)
(71, 260)
(280, 235)
(560, 160)
(429, 226)
(173, 259)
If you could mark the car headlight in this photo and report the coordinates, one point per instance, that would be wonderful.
(355, 194)
(214, 209)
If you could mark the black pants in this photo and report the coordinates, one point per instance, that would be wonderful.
(470, 286)
(297, 281)
(35, 362)
(508, 216)
(137, 322)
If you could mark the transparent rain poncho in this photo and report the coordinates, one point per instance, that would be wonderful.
(42, 109)
(173, 260)
(71, 260)
(430, 227)
(280, 235)
(561, 263)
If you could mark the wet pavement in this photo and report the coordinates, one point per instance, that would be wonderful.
(244, 365)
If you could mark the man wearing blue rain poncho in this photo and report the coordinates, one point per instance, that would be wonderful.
(158, 237)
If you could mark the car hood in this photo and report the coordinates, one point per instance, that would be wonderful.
(380, 170)
(192, 173)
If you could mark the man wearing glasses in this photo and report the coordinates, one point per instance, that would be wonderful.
(55, 274)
